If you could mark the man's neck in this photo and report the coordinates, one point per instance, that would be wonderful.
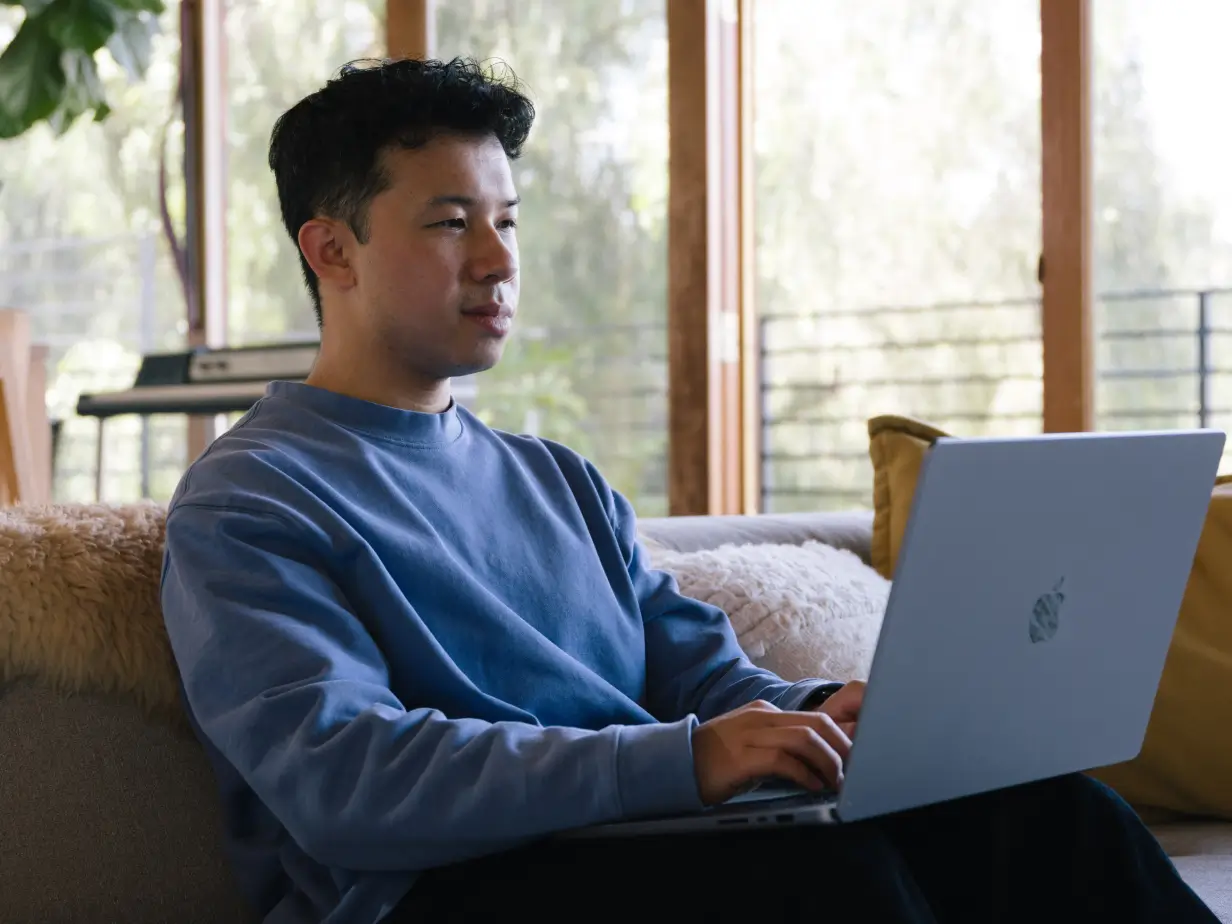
(357, 379)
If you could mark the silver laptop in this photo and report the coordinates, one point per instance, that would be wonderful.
(1034, 600)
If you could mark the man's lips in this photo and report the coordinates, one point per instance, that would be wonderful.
(489, 310)
(493, 317)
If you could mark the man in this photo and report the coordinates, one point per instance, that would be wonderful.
(415, 648)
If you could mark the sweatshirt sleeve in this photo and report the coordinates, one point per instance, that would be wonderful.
(284, 680)
(694, 664)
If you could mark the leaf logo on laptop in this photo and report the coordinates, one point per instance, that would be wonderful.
(1045, 617)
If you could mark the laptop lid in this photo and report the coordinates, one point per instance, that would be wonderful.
(1034, 600)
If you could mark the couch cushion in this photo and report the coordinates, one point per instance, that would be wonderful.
(1211, 878)
(109, 806)
(801, 611)
(79, 607)
(845, 530)
(896, 446)
(107, 816)
(1202, 852)
(1186, 760)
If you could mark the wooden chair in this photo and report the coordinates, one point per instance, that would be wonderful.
(25, 433)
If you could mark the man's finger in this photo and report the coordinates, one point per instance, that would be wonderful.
(819, 722)
(845, 704)
(806, 745)
(784, 765)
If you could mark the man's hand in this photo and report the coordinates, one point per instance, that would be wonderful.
(843, 706)
(760, 740)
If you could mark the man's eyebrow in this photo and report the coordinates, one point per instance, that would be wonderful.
(467, 202)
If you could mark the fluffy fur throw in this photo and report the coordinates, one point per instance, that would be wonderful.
(799, 610)
(79, 607)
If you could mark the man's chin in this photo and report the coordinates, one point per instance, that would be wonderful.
(480, 361)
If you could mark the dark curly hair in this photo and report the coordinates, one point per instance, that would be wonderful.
(325, 150)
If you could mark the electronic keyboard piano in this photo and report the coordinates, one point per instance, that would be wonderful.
(206, 382)
(203, 381)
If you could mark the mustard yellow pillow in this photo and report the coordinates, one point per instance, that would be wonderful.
(897, 446)
(1186, 760)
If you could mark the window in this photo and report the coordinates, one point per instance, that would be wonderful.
(82, 252)
(896, 153)
(1162, 203)
(588, 363)
(278, 51)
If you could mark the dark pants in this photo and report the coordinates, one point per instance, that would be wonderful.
(1062, 850)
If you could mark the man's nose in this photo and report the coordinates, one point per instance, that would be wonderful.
(495, 257)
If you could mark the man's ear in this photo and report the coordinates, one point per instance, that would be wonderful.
(327, 245)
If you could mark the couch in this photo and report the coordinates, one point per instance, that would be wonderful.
(110, 815)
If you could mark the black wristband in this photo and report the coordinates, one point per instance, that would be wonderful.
(820, 695)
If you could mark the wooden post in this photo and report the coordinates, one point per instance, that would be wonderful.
(19, 478)
(1066, 268)
(10, 477)
(205, 181)
(704, 284)
(38, 426)
(751, 433)
(409, 28)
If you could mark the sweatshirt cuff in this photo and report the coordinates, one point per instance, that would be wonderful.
(654, 769)
(801, 696)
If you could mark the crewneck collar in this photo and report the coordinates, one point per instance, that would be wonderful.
(369, 417)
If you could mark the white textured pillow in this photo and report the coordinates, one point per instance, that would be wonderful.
(800, 611)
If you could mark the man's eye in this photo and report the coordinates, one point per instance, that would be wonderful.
(509, 224)
(452, 223)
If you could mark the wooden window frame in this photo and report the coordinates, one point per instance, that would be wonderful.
(713, 391)
(750, 433)
(708, 325)
(409, 28)
(203, 41)
(715, 443)
(1067, 320)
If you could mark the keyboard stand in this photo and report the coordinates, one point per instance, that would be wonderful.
(193, 400)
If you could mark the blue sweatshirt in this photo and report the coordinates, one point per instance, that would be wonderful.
(407, 639)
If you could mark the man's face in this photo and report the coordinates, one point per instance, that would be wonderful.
(438, 277)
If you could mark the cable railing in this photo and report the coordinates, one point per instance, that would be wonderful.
(1164, 359)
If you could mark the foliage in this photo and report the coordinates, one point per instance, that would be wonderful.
(48, 71)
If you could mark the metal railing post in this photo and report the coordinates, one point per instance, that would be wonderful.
(146, 336)
(1204, 360)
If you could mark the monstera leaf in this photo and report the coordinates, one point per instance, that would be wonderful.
(48, 73)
